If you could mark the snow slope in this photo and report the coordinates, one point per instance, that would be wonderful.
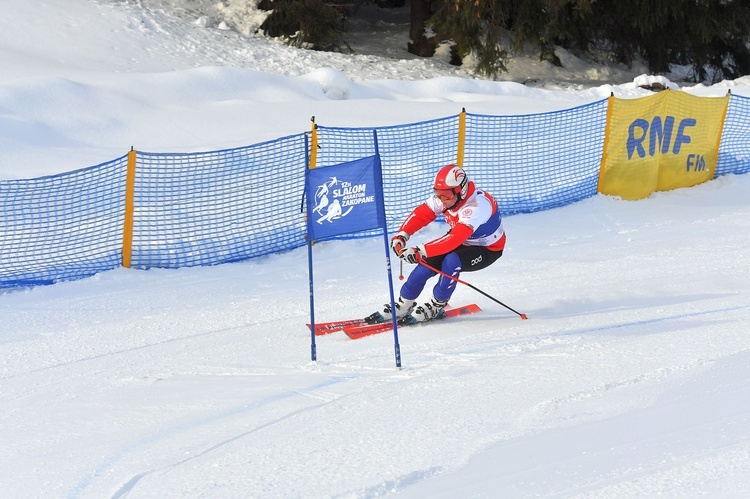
(630, 377)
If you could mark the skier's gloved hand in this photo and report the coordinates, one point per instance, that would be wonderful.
(398, 242)
(414, 254)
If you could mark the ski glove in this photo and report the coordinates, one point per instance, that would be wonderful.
(413, 255)
(398, 242)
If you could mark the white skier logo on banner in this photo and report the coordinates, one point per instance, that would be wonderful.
(330, 210)
(342, 198)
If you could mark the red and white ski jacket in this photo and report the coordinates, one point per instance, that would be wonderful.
(474, 222)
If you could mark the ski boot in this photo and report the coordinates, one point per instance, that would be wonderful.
(403, 307)
(433, 309)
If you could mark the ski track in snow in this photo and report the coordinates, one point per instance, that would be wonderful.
(429, 367)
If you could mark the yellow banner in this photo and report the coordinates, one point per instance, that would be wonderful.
(660, 142)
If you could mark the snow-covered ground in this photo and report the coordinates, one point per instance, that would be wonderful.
(630, 378)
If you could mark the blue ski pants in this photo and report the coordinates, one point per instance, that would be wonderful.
(462, 259)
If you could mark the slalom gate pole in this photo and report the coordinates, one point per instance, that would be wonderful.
(422, 262)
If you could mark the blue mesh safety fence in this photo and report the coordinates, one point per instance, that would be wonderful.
(62, 227)
(217, 207)
(734, 150)
(410, 155)
(222, 206)
(536, 162)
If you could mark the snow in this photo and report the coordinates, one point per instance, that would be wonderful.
(630, 377)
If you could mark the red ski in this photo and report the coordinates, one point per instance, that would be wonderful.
(355, 332)
(322, 328)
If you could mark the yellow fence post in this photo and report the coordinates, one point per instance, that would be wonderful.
(461, 138)
(721, 129)
(313, 152)
(313, 144)
(127, 233)
(603, 164)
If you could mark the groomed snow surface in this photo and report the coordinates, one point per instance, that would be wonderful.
(629, 379)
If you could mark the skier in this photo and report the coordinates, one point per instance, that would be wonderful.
(476, 239)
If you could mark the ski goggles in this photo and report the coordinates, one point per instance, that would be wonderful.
(445, 194)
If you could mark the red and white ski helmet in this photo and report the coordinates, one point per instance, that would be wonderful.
(452, 178)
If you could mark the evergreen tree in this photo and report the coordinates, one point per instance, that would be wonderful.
(419, 43)
(711, 36)
(305, 23)
(473, 26)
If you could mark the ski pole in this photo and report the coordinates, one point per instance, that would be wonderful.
(422, 262)
(401, 270)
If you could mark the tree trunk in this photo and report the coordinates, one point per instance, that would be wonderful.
(420, 45)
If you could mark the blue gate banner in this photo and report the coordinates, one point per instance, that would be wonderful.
(344, 198)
